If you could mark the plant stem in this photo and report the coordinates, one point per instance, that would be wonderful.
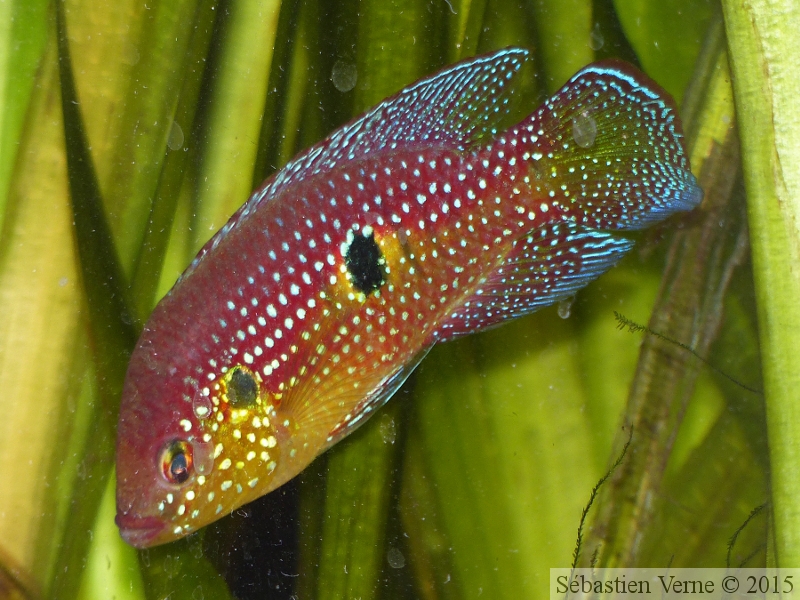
(762, 39)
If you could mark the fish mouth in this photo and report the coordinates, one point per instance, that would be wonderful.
(139, 532)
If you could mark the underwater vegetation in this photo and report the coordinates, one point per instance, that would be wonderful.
(131, 132)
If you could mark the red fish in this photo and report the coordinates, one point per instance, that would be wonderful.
(414, 224)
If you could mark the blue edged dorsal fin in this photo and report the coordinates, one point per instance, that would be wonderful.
(546, 266)
(455, 107)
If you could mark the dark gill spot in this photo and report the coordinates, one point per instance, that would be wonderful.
(365, 264)
(242, 388)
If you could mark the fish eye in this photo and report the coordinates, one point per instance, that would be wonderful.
(176, 461)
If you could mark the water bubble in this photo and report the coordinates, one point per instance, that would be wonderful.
(171, 566)
(175, 139)
(130, 54)
(197, 594)
(395, 558)
(388, 431)
(565, 307)
(201, 405)
(344, 75)
(203, 455)
(195, 543)
(584, 130)
(596, 39)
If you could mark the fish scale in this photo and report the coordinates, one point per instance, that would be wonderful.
(412, 225)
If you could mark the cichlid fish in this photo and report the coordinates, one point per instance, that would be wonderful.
(414, 224)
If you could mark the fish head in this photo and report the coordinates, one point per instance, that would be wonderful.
(157, 458)
(195, 433)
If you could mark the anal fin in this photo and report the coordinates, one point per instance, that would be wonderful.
(543, 267)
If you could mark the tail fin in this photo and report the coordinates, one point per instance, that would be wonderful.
(607, 150)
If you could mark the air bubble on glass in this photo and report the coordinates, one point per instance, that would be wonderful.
(130, 54)
(565, 307)
(388, 431)
(395, 558)
(344, 75)
(584, 130)
(596, 39)
(175, 139)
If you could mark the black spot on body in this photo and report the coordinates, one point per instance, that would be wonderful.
(242, 388)
(365, 263)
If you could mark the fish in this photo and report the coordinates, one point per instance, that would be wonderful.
(419, 222)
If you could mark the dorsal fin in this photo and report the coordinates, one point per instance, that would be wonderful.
(455, 108)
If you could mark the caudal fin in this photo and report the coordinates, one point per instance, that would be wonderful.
(607, 150)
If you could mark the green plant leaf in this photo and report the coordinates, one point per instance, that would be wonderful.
(23, 37)
(564, 32)
(111, 324)
(236, 104)
(148, 269)
(701, 261)
(762, 40)
(667, 36)
(43, 352)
